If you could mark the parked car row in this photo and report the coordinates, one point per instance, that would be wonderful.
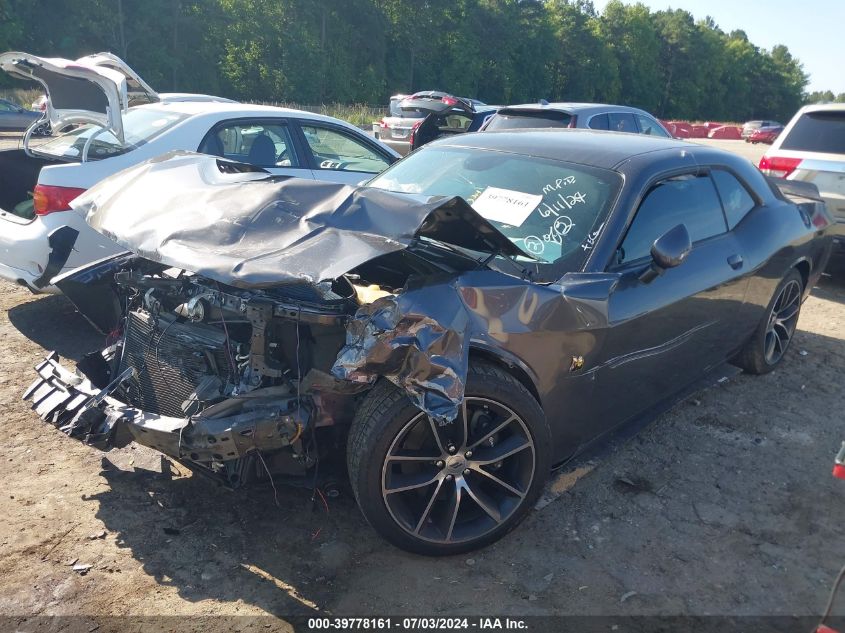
(40, 237)
(425, 116)
(453, 324)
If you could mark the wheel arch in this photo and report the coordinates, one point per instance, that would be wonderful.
(509, 363)
(804, 267)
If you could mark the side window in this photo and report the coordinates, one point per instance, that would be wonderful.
(333, 149)
(622, 122)
(454, 123)
(599, 122)
(650, 126)
(735, 198)
(5, 107)
(689, 200)
(256, 142)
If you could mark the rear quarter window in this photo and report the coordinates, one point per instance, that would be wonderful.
(600, 122)
(817, 132)
(735, 197)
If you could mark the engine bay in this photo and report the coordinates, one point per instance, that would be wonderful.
(193, 342)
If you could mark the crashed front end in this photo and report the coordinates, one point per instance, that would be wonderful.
(253, 311)
(206, 374)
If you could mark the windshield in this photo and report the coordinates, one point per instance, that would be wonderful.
(524, 119)
(552, 210)
(818, 132)
(397, 111)
(140, 125)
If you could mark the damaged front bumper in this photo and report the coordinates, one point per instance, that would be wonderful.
(223, 434)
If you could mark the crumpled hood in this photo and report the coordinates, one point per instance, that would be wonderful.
(241, 226)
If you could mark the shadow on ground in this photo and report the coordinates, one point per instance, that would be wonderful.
(832, 284)
(54, 323)
(689, 501)
(209, 542)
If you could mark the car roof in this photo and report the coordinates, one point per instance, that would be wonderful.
(574, 107)
(823, 107)
(235, 110)
(192, 96)
(588, 147)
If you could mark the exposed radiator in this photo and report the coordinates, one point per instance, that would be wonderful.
(170, 360)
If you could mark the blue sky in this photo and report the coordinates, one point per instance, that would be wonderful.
(812, 29)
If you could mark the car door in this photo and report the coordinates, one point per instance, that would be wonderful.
(268, 143)
(340, 155)
(664, 333)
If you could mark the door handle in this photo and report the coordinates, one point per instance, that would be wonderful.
(735, 261)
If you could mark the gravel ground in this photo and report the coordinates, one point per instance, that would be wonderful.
(722, 505)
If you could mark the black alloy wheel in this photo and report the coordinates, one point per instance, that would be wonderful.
(783, 318)
(447, 488)
(450, 490)
(770, 341)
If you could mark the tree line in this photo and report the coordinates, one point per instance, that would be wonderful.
(362, 51)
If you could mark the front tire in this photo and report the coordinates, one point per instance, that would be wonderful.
(436, 490)
(771, 339)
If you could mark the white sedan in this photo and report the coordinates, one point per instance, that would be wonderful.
(40, 237)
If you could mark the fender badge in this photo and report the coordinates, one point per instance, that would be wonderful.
(577, 363)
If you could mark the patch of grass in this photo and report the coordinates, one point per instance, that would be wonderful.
(359, 114)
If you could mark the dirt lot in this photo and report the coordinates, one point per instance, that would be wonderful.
(723, 505)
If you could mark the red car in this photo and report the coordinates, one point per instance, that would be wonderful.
(765, 134)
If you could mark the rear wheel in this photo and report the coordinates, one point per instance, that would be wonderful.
(771, 339)
(440, 490)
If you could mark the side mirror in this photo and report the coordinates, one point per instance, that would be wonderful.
(668, 251)
(671, 248)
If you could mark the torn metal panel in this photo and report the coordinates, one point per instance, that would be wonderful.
(418, 340)
(421, 338)
(249, 229)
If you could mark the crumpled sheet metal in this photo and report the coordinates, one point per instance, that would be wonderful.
(419, 340)
(250, 229)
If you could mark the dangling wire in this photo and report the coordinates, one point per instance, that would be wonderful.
(269, 476)
(314, 489)
(228, 340)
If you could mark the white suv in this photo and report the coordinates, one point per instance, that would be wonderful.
(812, 149)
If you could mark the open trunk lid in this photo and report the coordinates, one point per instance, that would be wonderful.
(94, 89)
(429, 105)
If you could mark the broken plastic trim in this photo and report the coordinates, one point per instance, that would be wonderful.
(61, 241)
(262, 420)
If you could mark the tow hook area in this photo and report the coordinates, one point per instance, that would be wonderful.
(67, 401)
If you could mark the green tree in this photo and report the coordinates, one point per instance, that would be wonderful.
(501, 51)
(631, 35)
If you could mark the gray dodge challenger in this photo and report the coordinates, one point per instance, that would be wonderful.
(475, 315)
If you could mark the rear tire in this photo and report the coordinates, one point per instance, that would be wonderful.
(434, 499)
(770, 341)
